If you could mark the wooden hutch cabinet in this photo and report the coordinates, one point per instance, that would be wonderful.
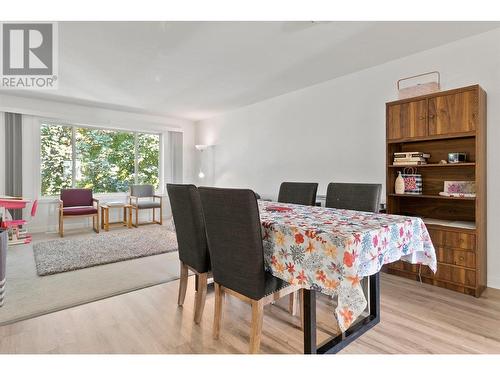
(439, 123)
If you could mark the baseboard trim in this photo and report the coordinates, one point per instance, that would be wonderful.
(493, 282)
(54, 228)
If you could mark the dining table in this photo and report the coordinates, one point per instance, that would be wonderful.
(333, 251)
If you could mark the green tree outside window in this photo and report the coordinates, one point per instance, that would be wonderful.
(106, 161)
(55, 158)
(148, 156)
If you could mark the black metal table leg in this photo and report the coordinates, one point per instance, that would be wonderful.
(309, 301)
(335, 344)
(374, 283)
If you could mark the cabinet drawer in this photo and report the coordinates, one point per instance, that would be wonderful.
(399, 265)
(404, 266)
(460, 240)
(455, 256)
(454, 274)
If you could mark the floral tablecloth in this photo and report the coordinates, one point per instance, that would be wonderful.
(331, 250)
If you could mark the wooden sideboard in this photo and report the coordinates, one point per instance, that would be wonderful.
(439, 123)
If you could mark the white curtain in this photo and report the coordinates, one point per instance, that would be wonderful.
(173, 158)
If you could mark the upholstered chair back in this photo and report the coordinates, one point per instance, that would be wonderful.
(359, 197)
(189, 226)
(298, 193)
(76, 197)
(235, 239)
(142, 191)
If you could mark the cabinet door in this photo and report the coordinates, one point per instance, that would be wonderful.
(407, 120)
(455, 113)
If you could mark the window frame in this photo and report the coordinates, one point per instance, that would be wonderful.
(74, 126)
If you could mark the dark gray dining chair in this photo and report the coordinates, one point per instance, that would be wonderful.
(303, 193)
(192, 242)
(142, 197)
(236, 251)
(359, 197)
(298, 193)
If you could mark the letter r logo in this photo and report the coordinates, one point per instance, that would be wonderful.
(27, 49)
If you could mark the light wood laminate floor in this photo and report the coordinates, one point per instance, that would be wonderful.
(414, 319)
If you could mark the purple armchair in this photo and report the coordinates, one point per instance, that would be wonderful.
(78, 203)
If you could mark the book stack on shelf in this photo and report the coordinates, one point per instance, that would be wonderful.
(412, 158)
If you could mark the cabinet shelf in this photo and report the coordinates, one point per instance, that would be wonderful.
(467, 225)
(433, 137)
(430, 196)
(435, 165)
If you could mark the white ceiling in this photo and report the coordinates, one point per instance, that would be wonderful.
(196, 70)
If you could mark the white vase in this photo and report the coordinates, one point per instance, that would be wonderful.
(399, 185)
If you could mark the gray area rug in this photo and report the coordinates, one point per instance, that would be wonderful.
(63, 255)
(29, 295)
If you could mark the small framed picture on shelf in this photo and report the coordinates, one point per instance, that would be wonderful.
(459, 189)
(457, 157)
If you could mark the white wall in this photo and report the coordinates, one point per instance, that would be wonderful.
(34, 110)
(335, 131)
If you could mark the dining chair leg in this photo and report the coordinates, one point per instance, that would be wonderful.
(61, 225)
(161, 212)
(201, 295)
(182, 284)
(256, 326)
(219, 301)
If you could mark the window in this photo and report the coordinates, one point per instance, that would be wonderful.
(104, 160)
(148, 155)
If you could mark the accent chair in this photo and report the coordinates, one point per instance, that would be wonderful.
(234, 238)
(142, 197)
(77, 203)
